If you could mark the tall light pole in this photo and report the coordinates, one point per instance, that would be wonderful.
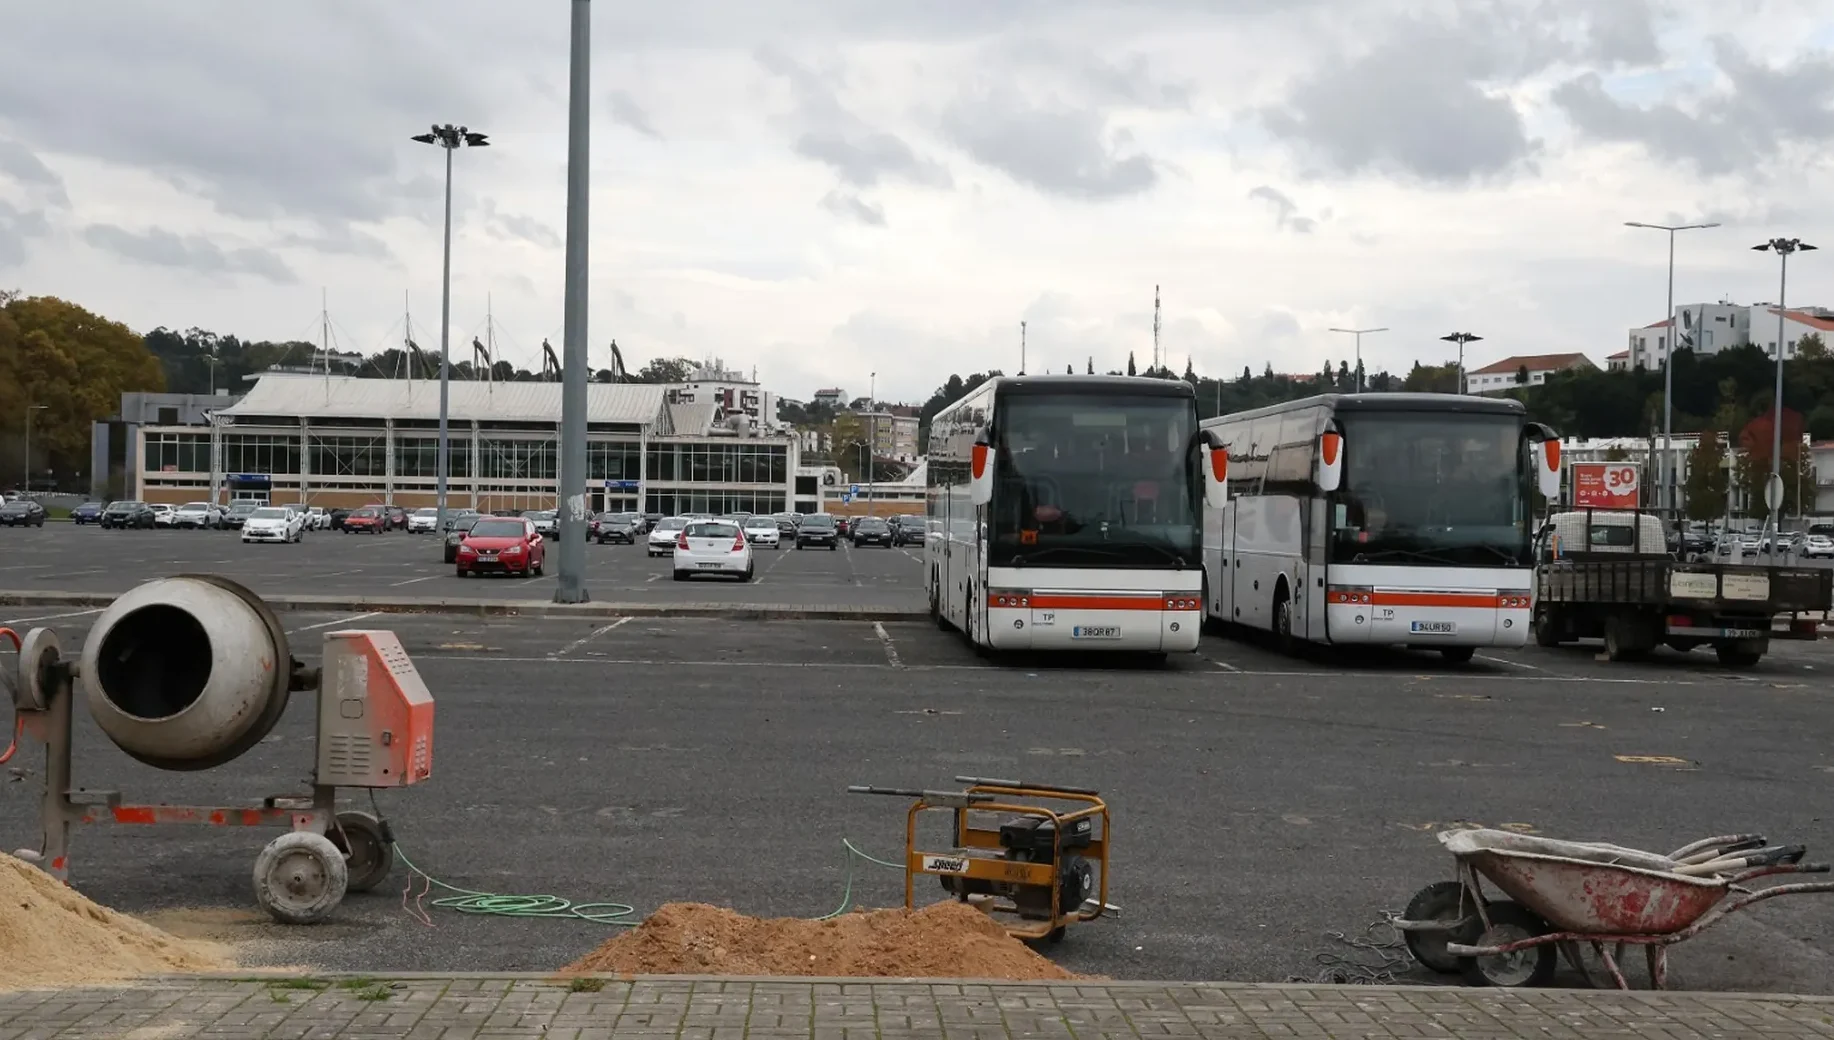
(1358, 333)
(1461, 338)
(451, 138)
(1773, 488)
(872, 438)
(572, 585)
(29, 409)
(1665, 478)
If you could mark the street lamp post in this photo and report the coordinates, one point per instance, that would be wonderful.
(1666, 477)
(571, 587)
(29, 409)
(872, 440)
(451, 138)
(1358, 333)
(1773, 488)
(1461, 338)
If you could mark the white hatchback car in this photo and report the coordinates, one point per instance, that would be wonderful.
(274, 524)
(423, 520)
(712, 547)
(762, 530)
(662, 536)
(164, 515)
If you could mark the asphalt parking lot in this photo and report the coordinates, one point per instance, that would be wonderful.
(66, 557)
(1260, 802)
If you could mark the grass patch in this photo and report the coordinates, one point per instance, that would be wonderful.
(376, 992)
(278, 997)
(358, 983)
(585, 985)
(305, 983)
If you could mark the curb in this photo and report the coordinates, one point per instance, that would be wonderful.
(259, 975)
(533, 608)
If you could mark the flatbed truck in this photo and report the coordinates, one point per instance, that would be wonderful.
(1603, 575)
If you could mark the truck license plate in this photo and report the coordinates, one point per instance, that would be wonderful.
(1436, 628)
(1096, 632)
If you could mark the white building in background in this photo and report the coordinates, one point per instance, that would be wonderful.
(1708, 328)
(1618, 362)
(739, 396)
(833, 397)
(1507, 373)
(1821, 457)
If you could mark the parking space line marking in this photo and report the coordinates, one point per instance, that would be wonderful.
(597, 632)
(847, 552)
(52, 617)
(1224, 665)
(339, 621)
(411, 581)
(1512, 664)
(891, 652)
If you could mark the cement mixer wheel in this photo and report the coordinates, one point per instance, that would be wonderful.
(368, 856)
(300, 878)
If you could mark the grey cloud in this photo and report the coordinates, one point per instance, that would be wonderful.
(860, 155)
(1621, 32)
(19, 163)
(1061, 151)
(1762, 108)
(627, 113)
(342, 241)
(1286, 211)
(162, 248)
(16, 226)
(1410, 106)
(529, 229)
(851, 206)
(267, 112)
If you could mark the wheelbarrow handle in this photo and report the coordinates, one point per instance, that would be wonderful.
(1715, 847)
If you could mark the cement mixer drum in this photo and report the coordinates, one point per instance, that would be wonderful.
(187, 673)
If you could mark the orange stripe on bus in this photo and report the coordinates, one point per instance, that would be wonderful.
(1096, 602)
(1438, 599)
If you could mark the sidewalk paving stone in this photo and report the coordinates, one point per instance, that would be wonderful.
(432, 1007)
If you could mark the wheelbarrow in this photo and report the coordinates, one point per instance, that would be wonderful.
(1565, 893)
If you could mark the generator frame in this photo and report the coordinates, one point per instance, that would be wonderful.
(986, 795)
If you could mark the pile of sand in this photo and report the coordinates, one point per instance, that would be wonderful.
(944, 940)
(52, 936)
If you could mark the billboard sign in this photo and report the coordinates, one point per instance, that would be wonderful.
(1605, 485)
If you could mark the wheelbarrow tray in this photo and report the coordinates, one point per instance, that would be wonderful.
(1587, 888)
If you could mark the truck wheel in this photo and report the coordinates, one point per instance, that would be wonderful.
(1548, 628)
(1734, 656)
(1623, 638)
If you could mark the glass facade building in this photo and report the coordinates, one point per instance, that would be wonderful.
(503, 451)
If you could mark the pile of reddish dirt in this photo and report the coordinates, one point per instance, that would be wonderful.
(51, 936)
(945, 940)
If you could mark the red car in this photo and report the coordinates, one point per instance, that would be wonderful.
(368, 520)
(506, 544)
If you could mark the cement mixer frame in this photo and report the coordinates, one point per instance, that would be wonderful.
(374, 729)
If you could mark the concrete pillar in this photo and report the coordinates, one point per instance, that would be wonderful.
(98, 460)
(388, 459)
(305, 460)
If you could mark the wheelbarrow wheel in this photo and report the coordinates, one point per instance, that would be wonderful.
(1534, 966)
(1441, 901)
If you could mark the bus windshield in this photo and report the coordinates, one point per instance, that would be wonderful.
(1431, 489)
(1095, 481)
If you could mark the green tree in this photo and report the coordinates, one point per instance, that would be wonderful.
(1811, 348)
(62, 368)
(1821, 422)
(1130, 363)
(665, 370)
(1707, 477)
(1432, 379)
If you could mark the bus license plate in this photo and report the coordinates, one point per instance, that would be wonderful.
(1096, 632)
(1436, 628)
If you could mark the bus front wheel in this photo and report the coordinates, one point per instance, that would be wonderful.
(1283, 621)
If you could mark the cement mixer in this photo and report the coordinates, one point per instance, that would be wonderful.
(190, 672)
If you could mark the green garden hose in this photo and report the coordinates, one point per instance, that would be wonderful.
(623, 915)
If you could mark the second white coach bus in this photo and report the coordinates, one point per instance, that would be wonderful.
(1065, 512)
(1399, 519)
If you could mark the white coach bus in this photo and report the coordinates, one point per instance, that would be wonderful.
(1065, 512)
(1399, 519)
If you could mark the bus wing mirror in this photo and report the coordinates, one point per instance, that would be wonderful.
(1330, 460)
(1216, 470)
(980, 468)
(1547, 468)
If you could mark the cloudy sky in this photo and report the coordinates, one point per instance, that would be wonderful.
(827, 188)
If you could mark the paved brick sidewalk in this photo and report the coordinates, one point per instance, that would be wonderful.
(514, 1008)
